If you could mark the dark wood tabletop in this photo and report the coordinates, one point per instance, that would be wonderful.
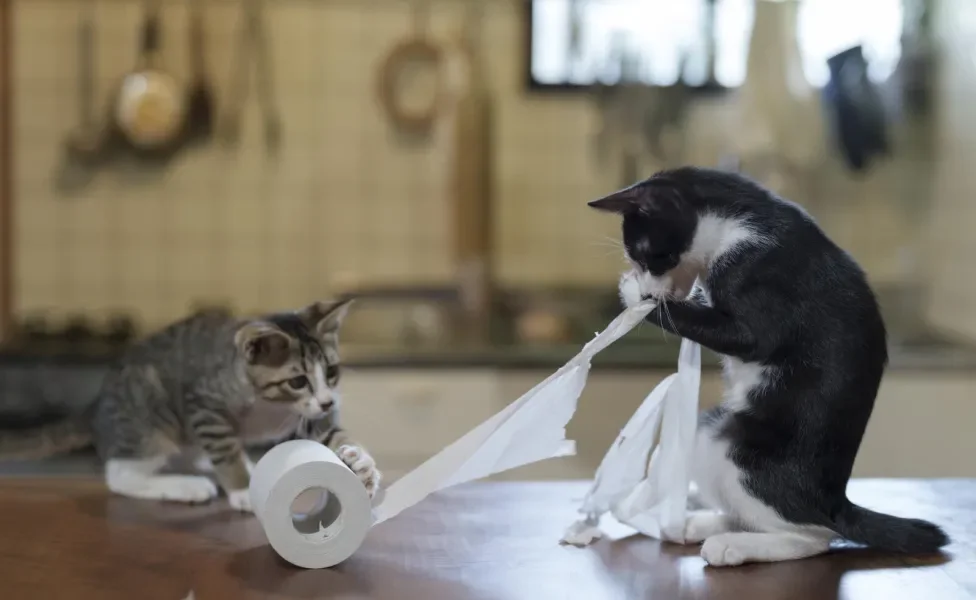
(66, 538)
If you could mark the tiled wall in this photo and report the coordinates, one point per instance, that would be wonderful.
(346, 201)
(950, 266)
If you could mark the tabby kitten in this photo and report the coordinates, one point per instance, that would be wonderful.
(189, 387)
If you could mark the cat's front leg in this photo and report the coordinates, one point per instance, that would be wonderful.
(362, 464)
(326, 430)
(222, 444)
(234, 474)
(718, 331)
(356, 458)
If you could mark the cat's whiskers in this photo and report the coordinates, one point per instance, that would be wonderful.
(667, 313)
(613, 246)
(660, 322)
(606, 240)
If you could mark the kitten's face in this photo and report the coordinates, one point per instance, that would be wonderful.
(293, 358)
(658, 233)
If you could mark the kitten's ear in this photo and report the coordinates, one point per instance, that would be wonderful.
(621, 201)
(326, 317)
(263, 344)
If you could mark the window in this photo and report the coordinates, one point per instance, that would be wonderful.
(578, 43)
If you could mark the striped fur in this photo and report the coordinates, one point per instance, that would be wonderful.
(189, 387)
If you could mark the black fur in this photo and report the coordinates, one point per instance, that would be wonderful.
(798, 303)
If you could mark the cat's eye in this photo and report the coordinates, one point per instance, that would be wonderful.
(298, 383)
(661, 257)
(331, 372)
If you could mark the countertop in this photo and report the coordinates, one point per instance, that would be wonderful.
(913, 345)
(644, 350)
(624, 354)
(68, 538)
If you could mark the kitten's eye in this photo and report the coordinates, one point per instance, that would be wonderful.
(298, 383)
(663, 257)
(332, 372)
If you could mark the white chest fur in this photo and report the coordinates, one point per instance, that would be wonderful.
(741, 379)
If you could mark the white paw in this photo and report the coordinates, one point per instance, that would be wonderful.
(202, 464)
(183, 488)
(240, 500)
(719, 551)
(700, 525)
(363, 465)
(629, 286)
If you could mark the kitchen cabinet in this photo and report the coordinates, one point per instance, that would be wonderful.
(920, 428)
(405, 416)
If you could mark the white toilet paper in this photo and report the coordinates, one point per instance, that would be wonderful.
(281, 476)
(528, 430)
(643, 480)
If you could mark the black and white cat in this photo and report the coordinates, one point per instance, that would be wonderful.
(753, 278)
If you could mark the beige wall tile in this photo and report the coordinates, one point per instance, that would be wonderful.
(346, 199)
(952, 300)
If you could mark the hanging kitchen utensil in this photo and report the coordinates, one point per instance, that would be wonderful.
(254, 45)
(417, 49)
(710, 39)
(576, 15)
(270, 113)
(198, 126)
(856, 111)
(664, 110)
(471, 182)
(82, 146)
(150, 105)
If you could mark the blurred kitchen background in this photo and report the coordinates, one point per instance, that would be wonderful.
(434, 159)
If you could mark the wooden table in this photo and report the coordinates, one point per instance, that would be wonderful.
(66, 538)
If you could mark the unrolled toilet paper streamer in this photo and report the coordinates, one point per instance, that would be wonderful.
(530, 429)
(647, 490)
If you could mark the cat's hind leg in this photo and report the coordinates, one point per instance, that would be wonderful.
(731, 549)
(753, 530)
(762, 535)
(139, 478)
(137, 431)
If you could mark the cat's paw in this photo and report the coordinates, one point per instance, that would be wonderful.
(703, 524)
(240, 500)
(202, 464)
(721, 551)
(181, 488)
(630, 293)
(363, 465)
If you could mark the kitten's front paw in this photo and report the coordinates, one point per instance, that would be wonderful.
(363, 465)
(630, 293)
(180, 488)
(240, 500)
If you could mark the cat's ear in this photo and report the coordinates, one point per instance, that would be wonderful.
(648, 197)
(623, 201)
(326, 317)
(263, 344)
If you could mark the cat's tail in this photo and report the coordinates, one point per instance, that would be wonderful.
(887, 532)
(58, 437)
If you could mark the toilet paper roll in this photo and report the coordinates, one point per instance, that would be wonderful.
(339, 522)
